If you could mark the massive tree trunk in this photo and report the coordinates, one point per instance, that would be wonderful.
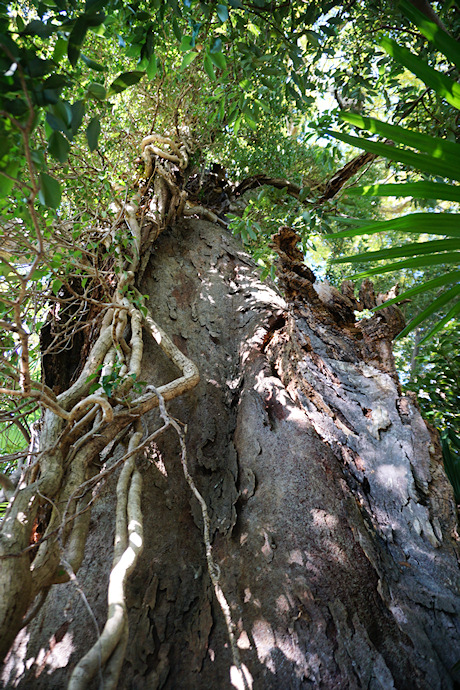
(333, 524)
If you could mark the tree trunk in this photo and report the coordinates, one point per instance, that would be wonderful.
(333, 524)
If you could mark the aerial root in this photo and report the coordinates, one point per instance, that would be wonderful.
(205, 213)
(109, 650)
(107, 411)
(81, 422)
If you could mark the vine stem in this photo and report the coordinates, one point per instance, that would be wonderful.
(107, 654)
(239, 673)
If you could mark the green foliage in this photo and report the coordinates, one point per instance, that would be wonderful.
(442, 158)
(434, 376)
(451, 456)
(436, 379)
(432, 155)
(256, 235)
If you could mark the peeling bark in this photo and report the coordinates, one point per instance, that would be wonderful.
(334, 525)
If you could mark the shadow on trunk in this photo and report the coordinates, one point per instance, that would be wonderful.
(333, 523)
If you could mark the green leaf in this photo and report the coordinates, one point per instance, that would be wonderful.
(92, 133)
(63, 110)
(177, 32)
(40, 273)
(417, 262)
(416, 223)
(123, 81)
(78, 33)
(187, 43)
(357, 222)
(443, 85)
(92, 64)
(38, 67)
(443, 42)
(251, 232)
(95, 5)
(59, 50)
(38, 157)
(451, 314)
(216, 46)
(452, 467)
(58, 146)
(418, 161)
(218, 59)
(208, 68)
(56, 123)
(78, 111)
(134, 50)
(38, 28)
(56, 81)
(46, 95)
(5, 269)
(237, 125)
(453, 438)
(76, 38)
(57, 284)
(97, 90)
(222, 13)
(188, 59)
(313, 37)
(152, 67)
(417, 190)
(430, 310)
(413, 249)
(6, 185)
(446, 279)
(50, 191)
(438, 148)
(304, 192)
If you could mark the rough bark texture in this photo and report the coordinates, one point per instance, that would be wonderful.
(334, 524)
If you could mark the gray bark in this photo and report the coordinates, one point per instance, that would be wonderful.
(334, 525)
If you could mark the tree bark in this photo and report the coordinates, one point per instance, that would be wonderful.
(333, 523)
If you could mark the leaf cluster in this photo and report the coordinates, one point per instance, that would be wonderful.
(431, 155)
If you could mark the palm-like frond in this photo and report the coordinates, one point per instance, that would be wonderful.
(428, 154)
